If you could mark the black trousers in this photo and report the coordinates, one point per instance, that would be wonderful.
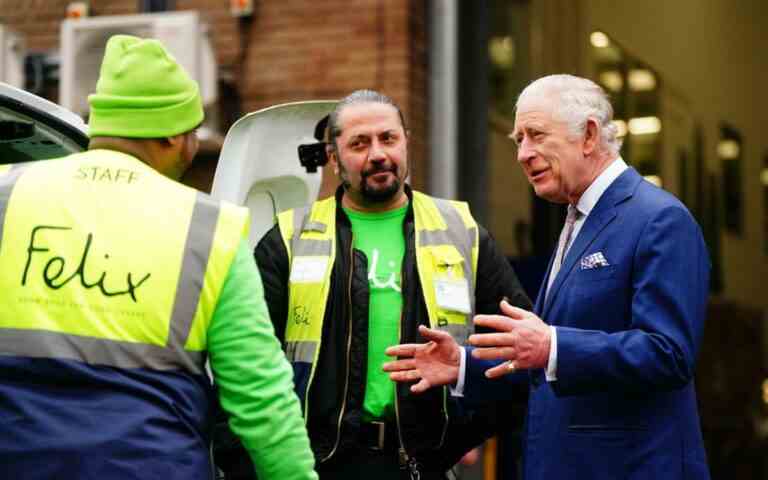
(366, 464)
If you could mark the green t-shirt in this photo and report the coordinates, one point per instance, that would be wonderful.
(380, 236)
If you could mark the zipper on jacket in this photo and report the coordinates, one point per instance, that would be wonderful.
(349, 348)
(402, 454)
(406, 461)
(445, 414)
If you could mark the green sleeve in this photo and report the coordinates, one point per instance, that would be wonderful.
(254, 378)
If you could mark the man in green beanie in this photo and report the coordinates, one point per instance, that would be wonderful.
(117, 284)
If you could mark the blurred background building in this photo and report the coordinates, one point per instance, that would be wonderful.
(687, 80)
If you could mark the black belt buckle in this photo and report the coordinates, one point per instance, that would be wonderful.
(381, 435)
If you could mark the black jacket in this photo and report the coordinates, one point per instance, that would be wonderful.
(421, 417)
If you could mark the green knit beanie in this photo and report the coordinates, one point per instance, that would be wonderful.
(142, 92)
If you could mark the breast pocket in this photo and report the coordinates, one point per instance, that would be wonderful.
(599, 298)
(595, 282)
(597, 273)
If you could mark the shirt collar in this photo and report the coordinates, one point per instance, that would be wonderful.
(592, 194)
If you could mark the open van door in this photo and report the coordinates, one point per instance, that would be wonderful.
(32, 128)
(259, 164)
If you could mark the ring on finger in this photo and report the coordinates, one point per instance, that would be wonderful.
(511, 366)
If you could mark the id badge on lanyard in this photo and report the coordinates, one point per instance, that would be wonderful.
(452, 293)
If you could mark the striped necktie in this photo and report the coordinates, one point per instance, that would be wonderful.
(563, 244)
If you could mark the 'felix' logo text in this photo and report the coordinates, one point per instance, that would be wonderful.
(55, 266)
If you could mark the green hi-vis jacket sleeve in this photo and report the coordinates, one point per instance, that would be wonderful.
(254, 378)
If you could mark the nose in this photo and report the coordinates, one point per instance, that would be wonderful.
(524, 151)
(376, 152)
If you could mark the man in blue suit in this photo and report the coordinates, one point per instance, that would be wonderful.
(610, 348)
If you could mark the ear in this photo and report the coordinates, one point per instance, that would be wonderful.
(333, 159)
(591, 136)
(191, 145)
(175, 141)
(182, 148)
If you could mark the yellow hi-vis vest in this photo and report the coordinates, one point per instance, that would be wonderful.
(105, 261)
(446, 257)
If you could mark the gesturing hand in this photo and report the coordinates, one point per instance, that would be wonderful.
(524, 340)
(433, 363)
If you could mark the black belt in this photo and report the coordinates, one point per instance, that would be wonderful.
(379, 436)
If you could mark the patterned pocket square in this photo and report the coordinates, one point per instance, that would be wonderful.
(594, 260)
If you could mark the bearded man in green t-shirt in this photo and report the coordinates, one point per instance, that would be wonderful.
(355, 273)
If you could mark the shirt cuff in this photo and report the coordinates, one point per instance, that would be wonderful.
(551, 371)
(458, 390)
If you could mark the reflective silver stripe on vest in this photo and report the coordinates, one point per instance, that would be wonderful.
(298, 223)
(197, 250)
(7, 182)
(315, 227)
(96, 351)
(305, 247)
(301, 351)
(443, 237)
(299, 215)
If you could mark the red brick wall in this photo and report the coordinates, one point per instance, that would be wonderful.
(39, 20)
(291, 50)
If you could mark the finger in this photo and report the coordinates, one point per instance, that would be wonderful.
(404, 350)
(514, 312)
(492, 339)
(399, 365)
(433, 334)
(500, 370)
(405, 376)
(421, 387)
(504, 353)
(496, 322)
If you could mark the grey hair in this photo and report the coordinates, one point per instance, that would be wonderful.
(357, 97)
(579, 100)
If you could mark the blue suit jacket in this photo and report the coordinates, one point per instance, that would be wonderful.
(623, 405)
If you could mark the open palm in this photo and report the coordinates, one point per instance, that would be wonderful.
(429, 364)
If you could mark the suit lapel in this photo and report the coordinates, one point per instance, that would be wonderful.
(539, 306)
(595, 223)
(602, 215)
